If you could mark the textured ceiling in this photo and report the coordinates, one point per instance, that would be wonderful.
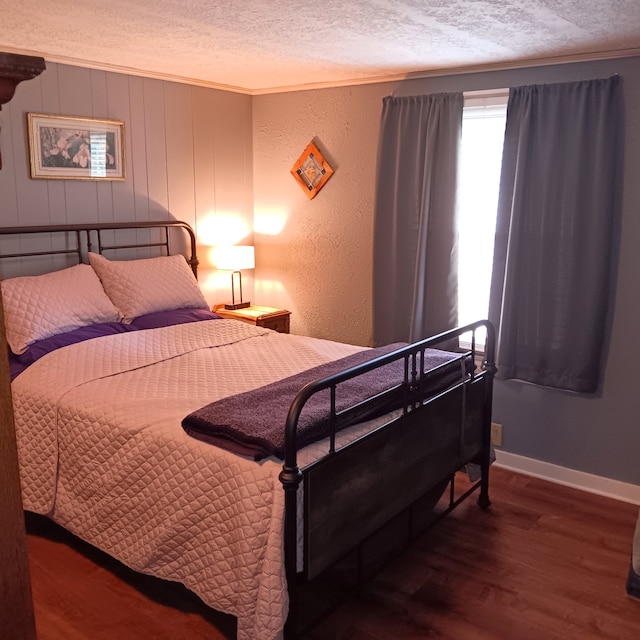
(260, 45)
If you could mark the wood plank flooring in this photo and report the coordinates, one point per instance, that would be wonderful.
(545, 562)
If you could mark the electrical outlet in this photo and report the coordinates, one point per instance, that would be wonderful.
(496, 434)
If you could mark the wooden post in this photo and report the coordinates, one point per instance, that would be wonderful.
(16, 605)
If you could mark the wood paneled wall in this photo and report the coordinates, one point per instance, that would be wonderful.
(188, 153)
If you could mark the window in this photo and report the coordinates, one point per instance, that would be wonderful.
(483, 125)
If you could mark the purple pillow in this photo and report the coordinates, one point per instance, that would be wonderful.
(15, 366)
(174, 316)
(42, 347)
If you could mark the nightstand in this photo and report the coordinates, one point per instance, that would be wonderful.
(268, 317)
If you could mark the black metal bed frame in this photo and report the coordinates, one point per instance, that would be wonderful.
(82, 237)
(387, 471)
(353, 491)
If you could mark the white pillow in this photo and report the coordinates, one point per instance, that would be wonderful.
(37, 307)
(138, 287)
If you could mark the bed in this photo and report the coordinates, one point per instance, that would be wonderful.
(113, 369)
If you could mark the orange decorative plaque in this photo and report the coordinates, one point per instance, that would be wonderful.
(311, 170)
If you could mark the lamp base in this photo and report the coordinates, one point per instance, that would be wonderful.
(238, 305)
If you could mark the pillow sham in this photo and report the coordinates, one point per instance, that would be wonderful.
(138, 287)
(37, 307)
(171, 317)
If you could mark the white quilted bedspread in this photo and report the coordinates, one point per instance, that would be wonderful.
(103, 453)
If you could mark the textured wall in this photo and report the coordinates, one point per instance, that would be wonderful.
(188, 155)
(319, 262)
(322, 258)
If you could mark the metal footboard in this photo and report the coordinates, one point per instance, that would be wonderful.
(354, 491)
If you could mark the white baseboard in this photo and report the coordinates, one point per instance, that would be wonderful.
(615, 489)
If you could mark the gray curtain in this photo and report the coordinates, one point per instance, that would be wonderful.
(415, 260)
(556, 233)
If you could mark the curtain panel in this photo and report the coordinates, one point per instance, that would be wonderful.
(558, 215)
(415, 259)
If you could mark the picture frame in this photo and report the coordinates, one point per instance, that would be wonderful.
(311, 170)
(75, 148)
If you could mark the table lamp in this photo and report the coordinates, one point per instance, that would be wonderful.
(235, 258)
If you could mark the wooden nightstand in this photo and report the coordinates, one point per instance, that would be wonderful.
(268, 317)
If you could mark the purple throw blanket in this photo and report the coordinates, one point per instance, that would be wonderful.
(252, 423)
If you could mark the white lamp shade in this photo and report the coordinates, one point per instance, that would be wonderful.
(234, 258)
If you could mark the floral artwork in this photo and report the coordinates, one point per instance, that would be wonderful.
(75, 148)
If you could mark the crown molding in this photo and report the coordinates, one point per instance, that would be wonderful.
(349, 82)
(451, 71)
(131, 71)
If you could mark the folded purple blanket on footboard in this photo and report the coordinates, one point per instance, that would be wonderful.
(252, 423)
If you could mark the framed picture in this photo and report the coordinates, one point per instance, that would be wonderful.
(311, 171)
(67, 148)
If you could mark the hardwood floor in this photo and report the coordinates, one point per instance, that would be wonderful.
(545, 562)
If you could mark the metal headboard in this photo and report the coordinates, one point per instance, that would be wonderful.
(89, 237)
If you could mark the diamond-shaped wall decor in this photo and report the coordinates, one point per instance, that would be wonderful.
(311, 170)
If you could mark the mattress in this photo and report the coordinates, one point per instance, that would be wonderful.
(102, 453)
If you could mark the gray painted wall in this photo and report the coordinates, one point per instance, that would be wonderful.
(322, 258)
(188, 156)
